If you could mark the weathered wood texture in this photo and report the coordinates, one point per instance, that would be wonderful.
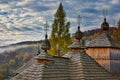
(99, 53)
(109, 58)
(115, 66)
(114, 54)
(41, 61)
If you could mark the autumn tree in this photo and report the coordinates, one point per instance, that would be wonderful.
(60, 36)
(116, 34)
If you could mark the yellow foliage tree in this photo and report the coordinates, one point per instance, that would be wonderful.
(60, 36)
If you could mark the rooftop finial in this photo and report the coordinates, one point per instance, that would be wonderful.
(105, 25)
(46, 28)
(45, 44)
(78, 33)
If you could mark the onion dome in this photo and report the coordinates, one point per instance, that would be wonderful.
(45, 44)
(105, 25)
(78, 34)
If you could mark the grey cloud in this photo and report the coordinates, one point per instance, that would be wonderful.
(36, 5)
(25, 16)
(8, 1)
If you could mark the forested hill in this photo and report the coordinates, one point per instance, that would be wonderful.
(93, 31)
(17, 45)
(22, 43)
(15, 55)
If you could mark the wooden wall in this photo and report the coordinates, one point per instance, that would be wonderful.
(114, 60)
(114, 54)
(100, 53)
(115, 66)
(109, 58)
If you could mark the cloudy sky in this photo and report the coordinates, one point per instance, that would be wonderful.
(23, 20)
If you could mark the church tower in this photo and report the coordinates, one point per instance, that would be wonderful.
(105, 50)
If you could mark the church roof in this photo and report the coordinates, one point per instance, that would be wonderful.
(104, 40)
(77, 44)
(75, 66)
(82, 66)
(57, 70)
(44, 55)
(26, 65)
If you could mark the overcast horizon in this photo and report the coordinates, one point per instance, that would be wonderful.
(23, 20)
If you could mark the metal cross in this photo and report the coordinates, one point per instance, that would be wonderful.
(79, 20)
(105, 12)
(46, 27)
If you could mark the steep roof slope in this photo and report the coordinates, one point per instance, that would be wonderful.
(76, 66)
(104, 40)
(83, 67)
(57, 70)
(26, 65)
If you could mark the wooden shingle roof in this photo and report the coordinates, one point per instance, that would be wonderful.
(83, 67)
(104, 40)
(25, 66)
(77, 44)
(57, 70)
(44, 55)
(76, 66)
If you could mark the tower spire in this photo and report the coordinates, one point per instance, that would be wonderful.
(105, 25)
(45, 44)
(79, 18)
(78, 34)
(78, 45)
(105, 13)
(46, 29)
(44, 56)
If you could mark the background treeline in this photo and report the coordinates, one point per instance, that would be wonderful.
(14, 59)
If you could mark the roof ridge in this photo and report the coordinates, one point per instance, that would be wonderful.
(112, 41)
(108, 38)
(103, 40)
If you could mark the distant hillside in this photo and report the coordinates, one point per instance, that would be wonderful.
(15, 56)
(93, 31)
(17, 46)
(22, 43)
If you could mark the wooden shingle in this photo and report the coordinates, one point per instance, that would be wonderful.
(104, 40)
